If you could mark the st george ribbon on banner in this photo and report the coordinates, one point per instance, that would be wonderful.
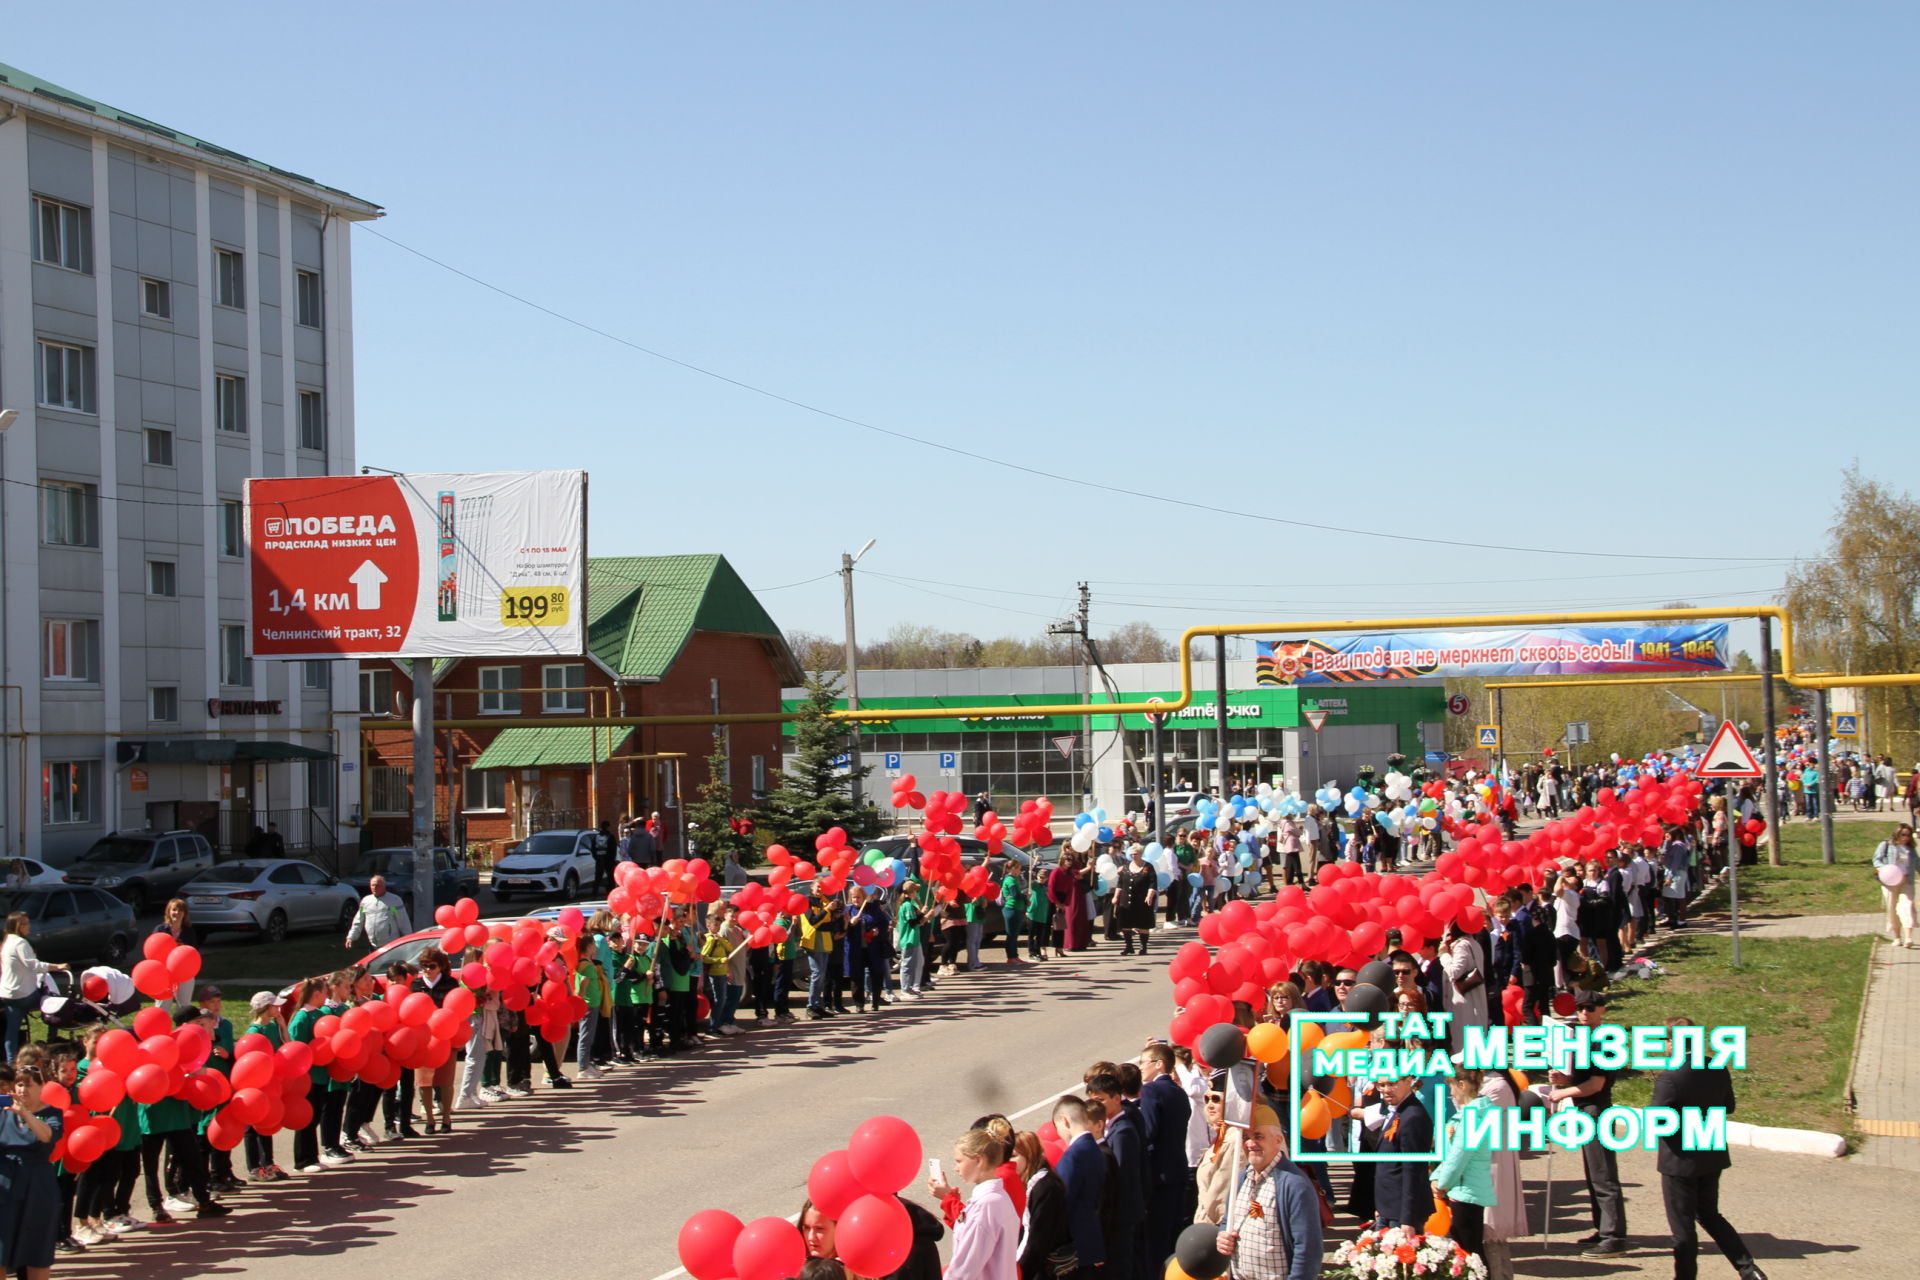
(1693, 649)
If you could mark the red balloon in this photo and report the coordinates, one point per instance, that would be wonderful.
(831, 1186)
(883, 1154)
(183, 963)
(147, 1084)
(87, 1143)
(157, 945)
(103, 1088)
(150, 979)
(769, 1249)
(294, 1058)
(706, 1244)
(873, 1236)
(416, 1009)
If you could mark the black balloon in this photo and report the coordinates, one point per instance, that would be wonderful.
(1198, 1252)
(1366, 998)
(1221, 1045)
(1377, 973)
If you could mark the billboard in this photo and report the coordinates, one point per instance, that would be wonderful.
(482, 564)
(1691, 649)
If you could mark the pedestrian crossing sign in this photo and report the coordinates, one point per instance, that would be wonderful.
(1490, 736)
(1846, 724)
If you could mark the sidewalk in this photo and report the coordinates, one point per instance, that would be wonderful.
(1886, 1069)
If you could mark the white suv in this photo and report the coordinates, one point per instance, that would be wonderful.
(546, 862)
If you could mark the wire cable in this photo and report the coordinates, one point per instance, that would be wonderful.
(1008, 464)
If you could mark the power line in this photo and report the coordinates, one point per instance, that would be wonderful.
(1008, 464)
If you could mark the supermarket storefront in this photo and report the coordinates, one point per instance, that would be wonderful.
(1109, 758)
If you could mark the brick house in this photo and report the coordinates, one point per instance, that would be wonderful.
(666, 635)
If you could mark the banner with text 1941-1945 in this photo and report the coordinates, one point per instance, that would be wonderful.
(481, 564)
(1693, 648)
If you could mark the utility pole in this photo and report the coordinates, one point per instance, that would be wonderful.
(1769, 745)
(1825, 797)
(852, 664)
(1220, 709)
(1082, 616)
(423, 788)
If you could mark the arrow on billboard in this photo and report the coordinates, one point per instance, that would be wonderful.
(366, 581)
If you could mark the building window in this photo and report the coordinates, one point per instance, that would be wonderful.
(69, 791)
(162, 578)
(306, 289)
(235, 667)
(163, 704)
(68, 514)
(376, 692)
(63, 234)
(313, 421)
(759, 777)
(230, 403)
(159, 442)
(66, 377)
(316, 674)
(500, 690)
(229, 279)
(233, 528)
(156, 298)
(556, 680)
(72, 649)
(389, 790)
(486, 791)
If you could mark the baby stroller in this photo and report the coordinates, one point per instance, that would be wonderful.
(69, 1001)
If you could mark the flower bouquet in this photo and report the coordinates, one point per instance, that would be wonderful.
(1401, 1253)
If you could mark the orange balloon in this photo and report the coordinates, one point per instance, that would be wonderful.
(1440, 1221)
(1316, 1117)
(1279, 1073)
(1308, 1034)
(1342, 1094)
(1175, 1271)
(1341, 1041)
(1267, 1042)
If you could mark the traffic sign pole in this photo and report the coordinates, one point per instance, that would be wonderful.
(1156, 723)
(1767, 747)
(423, 789)
(1825, 800)
(1733, 873)
(1500, 724)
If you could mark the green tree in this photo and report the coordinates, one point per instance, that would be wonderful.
(712, 812)
(1854, 609)
(811, 795)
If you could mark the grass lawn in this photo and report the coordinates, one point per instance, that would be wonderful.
(1806, 886)
(1799, 999)
(302, 955)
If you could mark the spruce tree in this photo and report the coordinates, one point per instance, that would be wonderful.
(712, 813)
(811, 796)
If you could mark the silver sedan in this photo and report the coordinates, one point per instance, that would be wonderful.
(271, 897)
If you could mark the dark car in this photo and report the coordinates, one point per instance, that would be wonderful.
(77, 925)
(450, 879)
(142, 868)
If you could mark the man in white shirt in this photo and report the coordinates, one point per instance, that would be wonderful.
(382, 917)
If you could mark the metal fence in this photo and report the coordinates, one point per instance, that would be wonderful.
(304, 833)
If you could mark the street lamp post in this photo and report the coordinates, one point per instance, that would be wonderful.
(852, 663)
(7, 818)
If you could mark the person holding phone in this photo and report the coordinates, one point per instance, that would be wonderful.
(986, 1239)
(31, 1217)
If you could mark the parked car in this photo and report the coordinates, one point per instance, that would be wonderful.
(546, 862)
(1180, 804)
(451, 880)
(268, 896)
(142, 867)
(38, 873)
(77, 925)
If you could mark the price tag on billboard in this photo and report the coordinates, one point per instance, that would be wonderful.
(483, 564)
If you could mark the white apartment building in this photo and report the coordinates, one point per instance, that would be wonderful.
(174, 317)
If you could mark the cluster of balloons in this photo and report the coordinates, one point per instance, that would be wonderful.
(1033, 825)
(168, 963)
(857, 1186)
(1344, 919)
(266, 1089)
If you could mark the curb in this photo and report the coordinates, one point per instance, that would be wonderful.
(1847, 1098)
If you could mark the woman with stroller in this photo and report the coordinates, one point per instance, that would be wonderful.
(20, 972)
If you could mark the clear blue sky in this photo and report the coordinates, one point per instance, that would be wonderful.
(1633, 278)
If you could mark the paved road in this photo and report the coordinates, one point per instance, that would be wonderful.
(602, 1176)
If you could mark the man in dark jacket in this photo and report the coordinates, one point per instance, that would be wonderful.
(1402, 1191)
(1533, 949)
(1166, 1109)
(1129, 1147)
(1083, 1173)
(1690, 1180)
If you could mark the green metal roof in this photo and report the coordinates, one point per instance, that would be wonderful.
(526, 747)
(26, 83)
(642, 610)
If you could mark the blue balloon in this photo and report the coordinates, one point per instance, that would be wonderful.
(1193, 879)
(1082, 819)
(1103, 884)
(1246, 857)
(1206, 822)
(1163, 879)
(899, 871)
(1106, 835)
